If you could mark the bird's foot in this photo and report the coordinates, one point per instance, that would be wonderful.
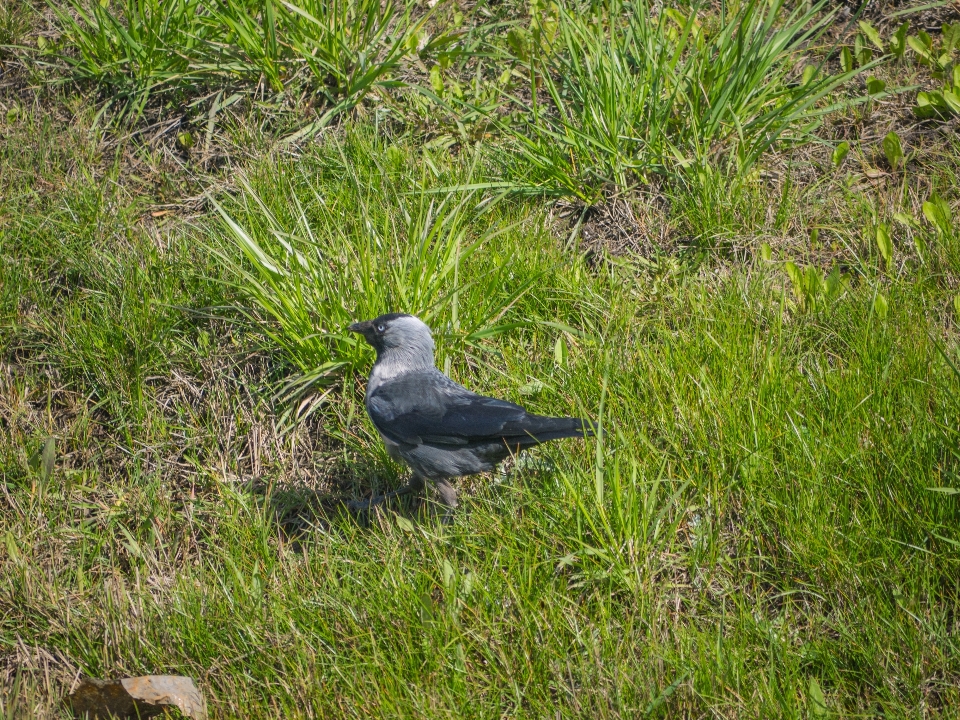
(447, 497)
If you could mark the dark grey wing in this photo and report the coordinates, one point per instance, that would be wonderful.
(428, 407)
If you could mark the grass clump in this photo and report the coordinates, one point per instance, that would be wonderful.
(616, 97)
(15, 21)
(183, 50)
(318, 256)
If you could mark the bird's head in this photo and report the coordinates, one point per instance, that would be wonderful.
(397, 333)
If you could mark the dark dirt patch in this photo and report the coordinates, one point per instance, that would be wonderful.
(623, 223)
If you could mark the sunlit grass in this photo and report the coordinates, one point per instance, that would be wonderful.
(621, 95)
(767, 525)
(182, 51)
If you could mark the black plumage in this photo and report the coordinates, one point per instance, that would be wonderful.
(425, 406)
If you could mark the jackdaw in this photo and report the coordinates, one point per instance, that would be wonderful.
(438, 428)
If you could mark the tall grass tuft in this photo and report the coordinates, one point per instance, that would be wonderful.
(346, 44)
(15, 21)
(311, 263)
(137, 49)
(633, 92)
(133, 49)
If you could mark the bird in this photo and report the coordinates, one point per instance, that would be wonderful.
(435, 426)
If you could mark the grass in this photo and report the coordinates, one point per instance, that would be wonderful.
(324, 54)
(313, 266)
(14, 22)
(766, 527)
(626, 94)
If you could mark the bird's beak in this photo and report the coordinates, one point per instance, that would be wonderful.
(361, 328)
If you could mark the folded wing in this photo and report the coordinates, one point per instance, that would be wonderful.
(427, 407)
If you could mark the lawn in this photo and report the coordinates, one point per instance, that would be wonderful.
(729, 234)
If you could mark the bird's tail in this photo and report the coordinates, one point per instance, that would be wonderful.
(540, 428)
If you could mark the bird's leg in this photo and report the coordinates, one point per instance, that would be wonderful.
(448, 498)
(414, 485)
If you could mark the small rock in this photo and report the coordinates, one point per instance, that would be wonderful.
(143, 697)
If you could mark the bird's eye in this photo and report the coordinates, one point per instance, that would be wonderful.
(381, 328)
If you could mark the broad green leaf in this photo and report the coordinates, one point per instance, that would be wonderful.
(880, 306)
(898, 43)
(950, 36)
(956, 304)
(532, 388)
(428, 608)
(812, 283)
(893, 150)
(436, 79)
(416, 41)
(13, 549)
(766, 252)
(929, 104)
(809, 73)
(793, 272)
(679, 18)
(818, 703)
(47, 459)
(846, 60)
(33, 462)
(833, 283)
(953, 100)
(798, 279)
(840, 152)
(885, 243)
(875, 86)
(872, 35)
(921, 49)
(518, 41)
(560, 353)
(937, 213)
(920, 245)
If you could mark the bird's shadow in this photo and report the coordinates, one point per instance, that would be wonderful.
(299, 506)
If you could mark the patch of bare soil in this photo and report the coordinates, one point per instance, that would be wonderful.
(623, 223)
(883, 13)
